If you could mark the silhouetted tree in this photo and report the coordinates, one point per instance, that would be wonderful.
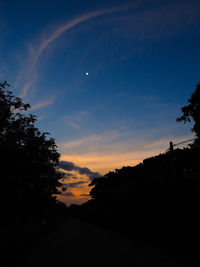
(29, 175)
(192, 111)
(160, 194)
(165, 186)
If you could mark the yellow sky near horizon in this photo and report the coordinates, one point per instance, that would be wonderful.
(104, 153)
(115, 156)
(109, 158)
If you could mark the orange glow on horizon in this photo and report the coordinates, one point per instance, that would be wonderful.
(77, 189)
(104, 161)
(101, 164)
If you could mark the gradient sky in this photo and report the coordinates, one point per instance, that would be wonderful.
(143, 62)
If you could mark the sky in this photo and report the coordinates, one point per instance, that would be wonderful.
(106, 78)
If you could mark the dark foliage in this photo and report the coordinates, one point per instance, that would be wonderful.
(29, 160)
(192, 111)
(157, 202)
(162, 188)
(159, 199)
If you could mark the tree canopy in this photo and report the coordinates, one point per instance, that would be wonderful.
(163, 169)
(157, 192)
(29, 160)
(192, 111)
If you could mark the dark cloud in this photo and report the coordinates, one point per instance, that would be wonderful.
(69, 175)
(70, 166)
(67, 165)
(64, 184)
(76, 183)
(68, 194)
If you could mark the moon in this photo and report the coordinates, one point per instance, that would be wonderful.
(86, 73)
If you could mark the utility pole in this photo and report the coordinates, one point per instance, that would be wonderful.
(171, 146)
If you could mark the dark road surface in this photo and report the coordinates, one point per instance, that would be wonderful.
(77, 243)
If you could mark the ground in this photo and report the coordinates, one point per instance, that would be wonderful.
(77, 243)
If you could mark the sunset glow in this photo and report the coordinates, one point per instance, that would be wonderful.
(106, 80)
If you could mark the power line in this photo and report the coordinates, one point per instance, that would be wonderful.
(184, 142)
(171, 145)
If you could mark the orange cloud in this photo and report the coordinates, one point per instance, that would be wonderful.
(77, 191)
(102, 163)
(107, 155)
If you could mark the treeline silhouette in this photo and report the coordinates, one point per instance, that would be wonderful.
(158, 199)
(29, 179)
(161, 194)
(29, 161)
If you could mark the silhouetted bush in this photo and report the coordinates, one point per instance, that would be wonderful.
(29, 175)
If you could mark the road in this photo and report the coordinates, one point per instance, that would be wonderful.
(78, 243)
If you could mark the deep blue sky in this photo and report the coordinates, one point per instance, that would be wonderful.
(143, 63)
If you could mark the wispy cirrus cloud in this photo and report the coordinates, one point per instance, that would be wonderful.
(108, 156)
(25, 88)
(147, 23)
(112, 150)
(65, 27)
(76, 120)
(43, 104)
(162, 21)
(35, 51)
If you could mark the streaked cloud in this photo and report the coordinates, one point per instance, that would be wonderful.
(92, 142)
(43, 104)
(70, 166)
(35, 51)
(105, 153)
(65, 27)
(76, 120)
(25, 89)
(154, 23)
(68, 194)
(161, 21)
(40, 118)
(104, 161)
(76, 185)
(92, 146)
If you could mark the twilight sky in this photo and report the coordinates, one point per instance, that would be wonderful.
(143, 63)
